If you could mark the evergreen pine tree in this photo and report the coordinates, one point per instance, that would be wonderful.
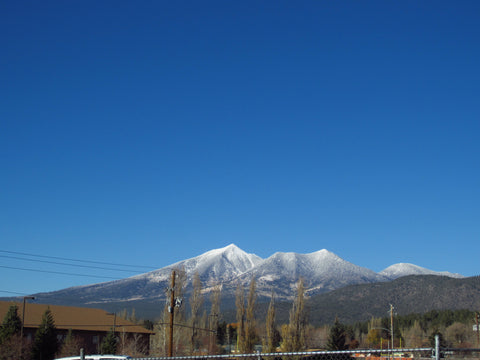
(45, 344)
(337, 337)
(12, 324)
(109, 344)
(10, 336)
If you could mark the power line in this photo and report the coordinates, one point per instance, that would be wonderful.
(79, 260)
(64, 264)
(59, 272)
(80, 263)
(13, 292)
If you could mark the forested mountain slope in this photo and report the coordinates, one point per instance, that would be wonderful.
(409, 294)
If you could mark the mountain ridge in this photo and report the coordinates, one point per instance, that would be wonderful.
(229, 267)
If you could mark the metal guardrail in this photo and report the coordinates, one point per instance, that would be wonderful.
(436, 353)
(323, 355)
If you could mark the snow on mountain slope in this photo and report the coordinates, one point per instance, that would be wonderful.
(216, 265)
(403, 269)
(224, 262)
(322, 271)
(230, 266)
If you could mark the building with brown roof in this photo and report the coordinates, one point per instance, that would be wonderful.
(90, 326)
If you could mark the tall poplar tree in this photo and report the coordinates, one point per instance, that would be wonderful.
(250, 322)
(196, 303)
(294, 333)
(240, 305)
(215, 314)
(270, 345)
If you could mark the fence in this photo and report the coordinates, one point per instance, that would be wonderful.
(435, 353)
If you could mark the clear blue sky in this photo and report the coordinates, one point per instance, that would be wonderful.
(148, 132)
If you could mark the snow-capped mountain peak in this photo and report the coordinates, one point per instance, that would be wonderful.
(232, 253)
(217, 265)
(403, 269)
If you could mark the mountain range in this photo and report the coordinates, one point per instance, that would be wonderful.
(322, 271)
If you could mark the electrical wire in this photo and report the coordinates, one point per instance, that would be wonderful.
(13, 292)
(78, 260)
(64, 264)
(59, 272)
(63, 261)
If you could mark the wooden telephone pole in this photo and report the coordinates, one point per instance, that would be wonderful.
(391, 328)
(171, 310)
(478, 329)
(391, 324)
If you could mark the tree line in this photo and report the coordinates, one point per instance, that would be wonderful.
(251, 332)
(198, 330)
(455, 328)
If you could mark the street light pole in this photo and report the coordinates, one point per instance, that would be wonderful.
(171, 309)
(391, 322)
(212, 323)
(478, 330)
(391, 326)
(114, 321)
(23, 313)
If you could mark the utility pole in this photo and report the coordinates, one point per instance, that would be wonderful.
(171, 310)
(391, 326)
(114, 321)
(213, 331)
(23, 320)
(478, 330)
(23, 313)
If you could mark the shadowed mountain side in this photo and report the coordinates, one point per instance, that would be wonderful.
(409, 294)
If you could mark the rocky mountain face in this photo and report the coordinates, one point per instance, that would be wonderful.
(228, 267)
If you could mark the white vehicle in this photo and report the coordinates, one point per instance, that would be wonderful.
(97, 357)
